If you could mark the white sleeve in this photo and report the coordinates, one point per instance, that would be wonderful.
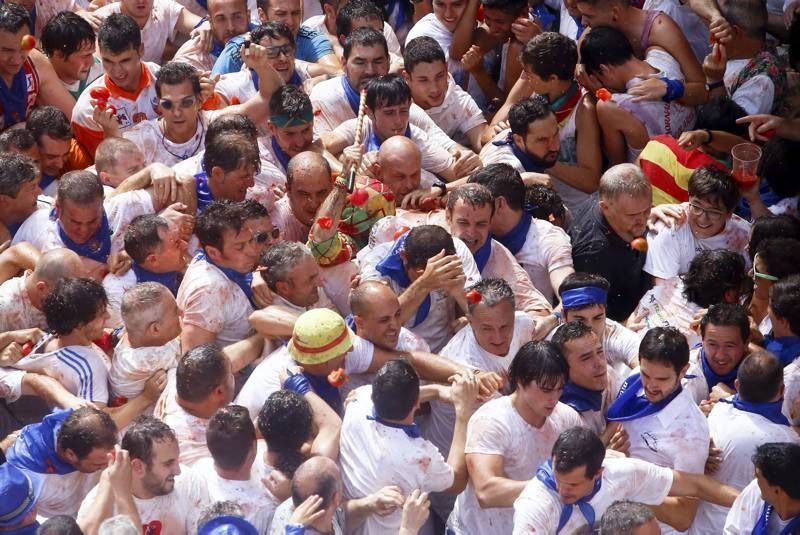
(422, 120)
(97, 385)
(621, 344)
(744, 513)
(122, 209)
(648, 483)
(11, 384)
(440, 475)
(487, 435)
(435, 157)
(359, 358)
(536, 511)
(756, 95)
(663, 254)
(472, 115)
(467, 263)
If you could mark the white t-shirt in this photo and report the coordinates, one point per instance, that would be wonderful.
(756, 95)
(374, 455)
(791, 392)
(458, 113)
(63, 494)
(498, 429)
(284, 512)
(596, 420)
(211, 301)
(16, 310)
(238, 87)
(132, 367)
(149, 137)
(738, 434)
(115, 287)
(503, 265)
(257, 503)
(537, 510)
(664, 305)
(190, 430)
(671, 250)
(11, 384)
(158, 29)
(745, 512)
(283, 218)
(265, 379)
(178, 511)
(621, 347)
(676, 437)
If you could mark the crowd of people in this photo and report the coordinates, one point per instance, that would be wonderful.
(378, 267)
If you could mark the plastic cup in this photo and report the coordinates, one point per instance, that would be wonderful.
(745, 164)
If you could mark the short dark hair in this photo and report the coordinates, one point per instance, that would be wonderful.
(760, 377)
(665, 345)
(711, 274)
(784, 300)
(779, 464)
(721, 113)
(604, 46)
(514, 7)
(352, 10)
(219, 216)
(141, 435)
(232, 123)
(285, 421)
(80, 187)
(85, 429)
(503, 181)
(426, 241)
(66, 32)
(73, 303)
(779, 161)
(177, 72)
(16, 170)
(551, 53)
(119, 33)
(252, 209)
(538, 362)
(576, 447)
(230, 151)
(726, 315)
(201, 370)
(572, 330)
(473, 194)
(289, 100)
(20, 139)
(60, 524)
(273, 30)
(544, 203)
(748, 15)
(780, 256)
(48, 120)
(395, 390)
(387, 90)
(492, 292)
(528, 111)
(770, 226)
(364, 37)
(230, 435)
(714, 185)
(14, 17)
(623, 517)
(422, 49)
(141, 237)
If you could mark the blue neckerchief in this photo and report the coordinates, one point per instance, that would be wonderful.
(14, 227)
(763, 522)
(242, 280)
(631, 406)
(516, 237)
(203, 4)
(412, 430)
(15, 98)
(329, 393)
(527, 163)
(350, 322)
(581, 399)
(770, 410)
(283, 158)
(786, 348)
(97, 248)
(712, 378)
(204, 195)
(483, 253)
(396, 13)
(33, 20)
(46, 180)
(216, 49)
(580, 25)
(35, 449)
(295, 79)
(373, 143)
(544, 15)
(545, 474)
(254, 78)
(353, 98)
(168, 279)
(392, 267)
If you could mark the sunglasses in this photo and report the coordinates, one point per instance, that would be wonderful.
(275, 51)
(185, 103)
(764, 276)
(263, 237)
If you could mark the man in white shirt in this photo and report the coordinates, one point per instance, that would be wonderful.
(541, 248)
(229, 473)
(150, 481)
(739, 425)
(769, 505)
(429, 270)
(214, 296)
(509, 437)
(709, 223)
(381, 445)
(663, 423)
(583, 298)
(575, 487)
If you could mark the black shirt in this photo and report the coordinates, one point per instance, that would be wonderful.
(596, 248)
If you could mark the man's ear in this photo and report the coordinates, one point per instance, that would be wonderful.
(71, 456)
(138, 467)
(376, 169)
(217, 173)
(406, 76)
(262, 16)
(281, 287)
(683, 371)
(213, 253)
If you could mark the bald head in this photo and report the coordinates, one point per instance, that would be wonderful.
(307, 163)
(58, 264)
(308, 183)
(371, 296)
(318, 475)
(398, 148)
(400, 166)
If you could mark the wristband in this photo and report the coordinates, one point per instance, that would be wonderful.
(294, 529)
(675, 89)
(297, 383)
(441, 186)
(710, 136)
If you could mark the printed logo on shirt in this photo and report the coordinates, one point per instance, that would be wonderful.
(650, 441)
(123, 118)
(152, 528)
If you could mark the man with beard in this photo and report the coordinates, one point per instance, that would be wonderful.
(145, 479)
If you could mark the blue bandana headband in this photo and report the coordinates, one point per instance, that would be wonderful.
(582, 297)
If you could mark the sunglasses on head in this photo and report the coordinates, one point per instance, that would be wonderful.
(185, 102)
(275, 51)
(262, 237)
(764, 276)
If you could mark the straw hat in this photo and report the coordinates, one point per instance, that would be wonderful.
(319, 336)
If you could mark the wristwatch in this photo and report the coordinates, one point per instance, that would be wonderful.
(710, 86)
